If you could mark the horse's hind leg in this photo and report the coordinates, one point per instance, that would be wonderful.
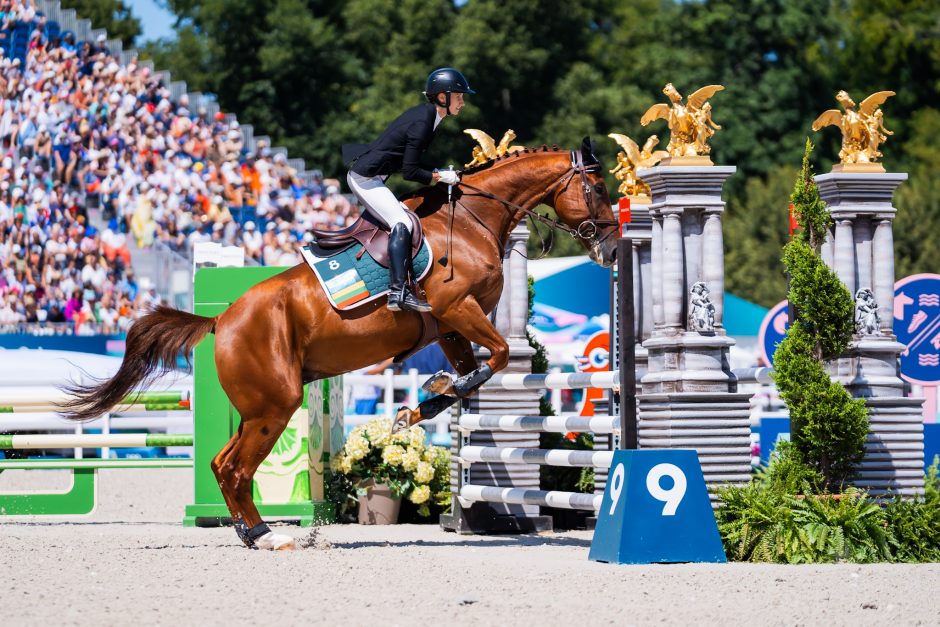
(259, 430)
(216, 466)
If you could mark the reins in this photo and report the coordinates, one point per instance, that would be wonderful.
(593, 224)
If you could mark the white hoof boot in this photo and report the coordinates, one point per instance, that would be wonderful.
(276, 542)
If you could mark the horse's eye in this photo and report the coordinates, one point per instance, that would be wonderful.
(599, 188)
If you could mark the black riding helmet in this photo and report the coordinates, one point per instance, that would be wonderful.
(446, 80)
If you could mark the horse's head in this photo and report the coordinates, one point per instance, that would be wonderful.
(581, 201)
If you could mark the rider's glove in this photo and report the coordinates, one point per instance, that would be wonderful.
(448, 177)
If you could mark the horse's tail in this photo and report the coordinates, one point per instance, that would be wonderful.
(153, 343)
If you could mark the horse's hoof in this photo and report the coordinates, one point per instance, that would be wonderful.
(440, 383)
(403, 420)
(276, 542)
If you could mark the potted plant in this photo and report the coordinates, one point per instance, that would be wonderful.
(386, 467)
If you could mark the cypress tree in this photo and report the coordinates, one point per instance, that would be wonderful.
(827, 426)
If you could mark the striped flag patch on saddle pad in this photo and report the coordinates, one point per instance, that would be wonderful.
(350, 282)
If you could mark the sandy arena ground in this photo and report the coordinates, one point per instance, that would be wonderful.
(132, 562)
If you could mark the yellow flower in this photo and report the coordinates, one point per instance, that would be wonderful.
(429, 454)
(336, 463)
(411, 459)
(393, 454)
(424, 473)
(379, 431)
(346, 466)
(357, 447)
(417, 437)
(420, 494)
(358, 431)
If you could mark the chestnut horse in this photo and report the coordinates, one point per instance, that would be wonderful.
(283, 332)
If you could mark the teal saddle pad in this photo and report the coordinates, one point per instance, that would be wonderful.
(350, 282)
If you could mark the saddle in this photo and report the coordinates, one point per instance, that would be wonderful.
(368, 232)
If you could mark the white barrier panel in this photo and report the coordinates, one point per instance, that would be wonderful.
(551, 424)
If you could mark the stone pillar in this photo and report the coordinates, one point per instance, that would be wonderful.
(689, 397)
(883, 273)
(511, 319)
(640, 231)
(673, 272)
(861, 233)
(828, 250)
(714, 271)
(862, 205)
(844, 258)
(656, 268)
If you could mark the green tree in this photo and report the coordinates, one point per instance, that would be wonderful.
(827, 426)
(186, 56)
(113, 15)
(756, 227)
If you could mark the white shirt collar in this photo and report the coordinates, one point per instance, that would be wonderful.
(437, 119)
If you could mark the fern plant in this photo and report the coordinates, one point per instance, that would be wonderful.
(915, 523)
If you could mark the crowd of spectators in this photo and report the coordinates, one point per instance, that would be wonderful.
(83, 135)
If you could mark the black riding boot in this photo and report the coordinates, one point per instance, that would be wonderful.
(399, 250)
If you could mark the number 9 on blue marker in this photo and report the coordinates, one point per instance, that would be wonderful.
(656, 509)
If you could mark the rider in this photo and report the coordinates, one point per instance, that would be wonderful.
(398, 149)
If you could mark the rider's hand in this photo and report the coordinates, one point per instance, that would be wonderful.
(448, 177)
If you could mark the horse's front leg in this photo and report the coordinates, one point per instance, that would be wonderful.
(470, 324)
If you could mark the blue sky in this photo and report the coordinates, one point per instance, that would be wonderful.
(156, 21)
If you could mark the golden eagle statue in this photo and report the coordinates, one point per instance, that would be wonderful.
(690, 125)
(488, 149)
(633, 158)
(863, 130)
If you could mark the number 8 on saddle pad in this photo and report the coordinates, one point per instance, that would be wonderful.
(350, 282)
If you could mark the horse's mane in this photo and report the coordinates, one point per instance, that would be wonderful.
(510, 156)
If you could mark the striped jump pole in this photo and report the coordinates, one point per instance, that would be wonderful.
(93, 440)
(23, 401)
(543, 498)
(554, 381)
(550, 424)
(544, 457)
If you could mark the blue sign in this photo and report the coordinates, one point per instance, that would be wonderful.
(917, 325)
(772, 430)
(772, 331)
(931, 443)
(656, 510)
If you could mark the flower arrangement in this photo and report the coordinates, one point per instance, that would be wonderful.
(411, 468)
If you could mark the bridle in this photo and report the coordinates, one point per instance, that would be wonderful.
(588, 229)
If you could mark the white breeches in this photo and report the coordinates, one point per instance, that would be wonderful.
(378, 199)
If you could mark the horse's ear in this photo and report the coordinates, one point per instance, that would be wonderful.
(587, 151)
